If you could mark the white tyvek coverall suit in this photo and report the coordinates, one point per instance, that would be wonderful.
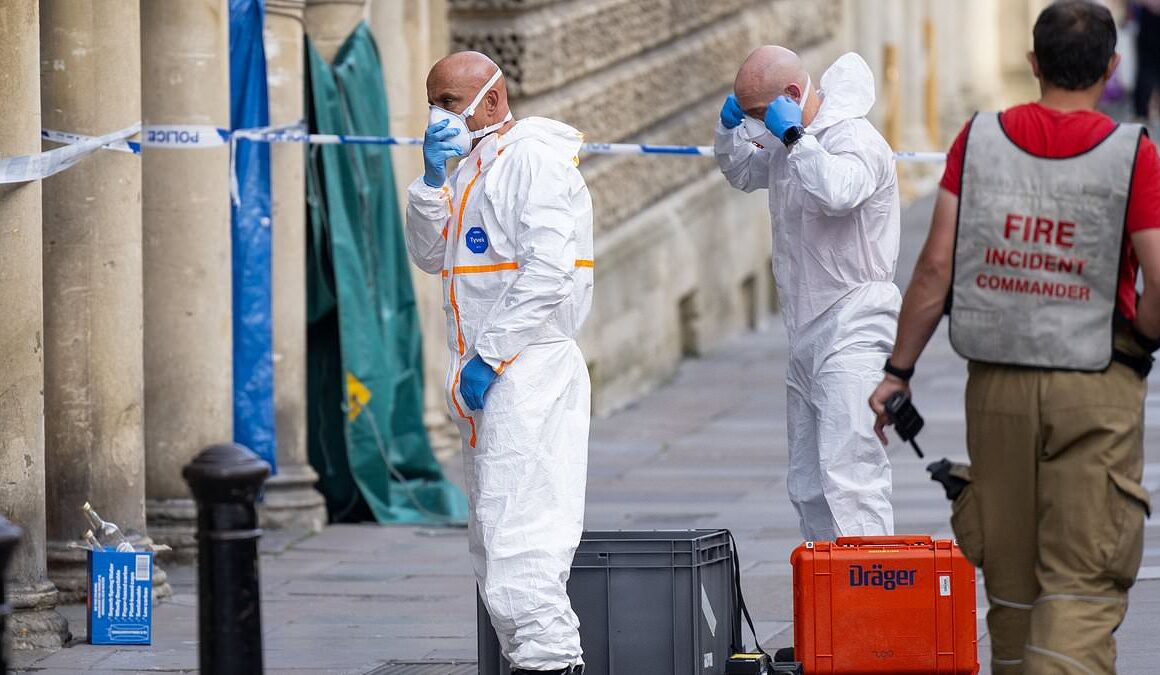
(511, 233)
(833, 203)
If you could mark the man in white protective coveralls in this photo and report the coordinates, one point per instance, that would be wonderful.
(510, 231)
(833, 203)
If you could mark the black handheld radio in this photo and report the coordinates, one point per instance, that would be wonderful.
(905, 418)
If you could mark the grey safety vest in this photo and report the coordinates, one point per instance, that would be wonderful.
(1037, 250)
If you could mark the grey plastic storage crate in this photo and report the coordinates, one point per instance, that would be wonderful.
(649, 603)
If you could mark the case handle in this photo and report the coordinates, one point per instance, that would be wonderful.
(897, 540)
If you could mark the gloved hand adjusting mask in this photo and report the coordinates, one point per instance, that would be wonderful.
(755, 131)
(459, 120)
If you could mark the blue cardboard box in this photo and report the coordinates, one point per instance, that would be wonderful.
(120, 598)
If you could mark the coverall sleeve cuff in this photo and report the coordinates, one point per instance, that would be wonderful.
(497, 363)
(724, 140)
(421, 191)
(431, 203)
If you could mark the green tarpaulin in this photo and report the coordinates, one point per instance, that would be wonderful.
(367, 439)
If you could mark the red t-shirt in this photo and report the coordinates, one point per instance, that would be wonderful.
(1051, 133)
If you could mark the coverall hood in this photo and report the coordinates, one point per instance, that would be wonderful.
(561, 139)
(847, 87)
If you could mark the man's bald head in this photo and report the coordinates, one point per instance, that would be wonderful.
(454, 81)
(768, 72)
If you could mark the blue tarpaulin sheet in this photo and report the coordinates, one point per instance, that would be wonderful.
(252, 307)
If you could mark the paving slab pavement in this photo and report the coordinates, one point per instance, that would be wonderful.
(706, 450)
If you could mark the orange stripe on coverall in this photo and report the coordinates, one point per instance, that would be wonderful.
(501, 267)
(455, 305)
(458, 409)
(458, 232)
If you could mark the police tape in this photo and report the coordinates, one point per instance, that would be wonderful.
(178, 136)
(921, 157)
(75, 147)
(184, 136)
(297, 135)
(63, 138)
(168, 136)
(25, 168)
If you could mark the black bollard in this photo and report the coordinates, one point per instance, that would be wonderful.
(225, 480)
(9, 538)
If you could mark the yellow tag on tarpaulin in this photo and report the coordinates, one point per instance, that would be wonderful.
(357, 396)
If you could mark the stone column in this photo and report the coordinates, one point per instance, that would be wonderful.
(1016, 20)
(34, 623)
(866, 29)
(913, 66)
(186, 222)
(290, 499)
(330, 22)
(93, 359)
(982, 73)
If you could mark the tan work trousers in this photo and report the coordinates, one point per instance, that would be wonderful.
(1055, 512)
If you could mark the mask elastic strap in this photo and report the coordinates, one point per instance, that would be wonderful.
(805, 94)
(470, 109)
(480, 133)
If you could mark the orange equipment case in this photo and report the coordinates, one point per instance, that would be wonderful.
(903, 604)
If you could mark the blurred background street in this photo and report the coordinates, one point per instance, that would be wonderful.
(169, 284)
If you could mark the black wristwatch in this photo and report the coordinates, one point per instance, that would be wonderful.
(903, 374)
(793, 135)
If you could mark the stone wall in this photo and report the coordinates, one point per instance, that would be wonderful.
(682, 259)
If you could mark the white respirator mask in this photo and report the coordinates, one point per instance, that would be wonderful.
(755, 131)
(459, 120)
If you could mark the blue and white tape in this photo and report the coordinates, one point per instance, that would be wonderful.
(297, 135)
(921, 157)
(169, 136)
(645, 149)
(177, 136)
(258, 135)
(63, 138)
(162, 136)
(25, 168)
(184, 136)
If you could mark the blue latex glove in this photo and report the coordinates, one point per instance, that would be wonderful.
(782, 115)
(436, 152)
(474, 381)
(731, 113)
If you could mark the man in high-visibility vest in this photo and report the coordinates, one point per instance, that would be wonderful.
(1046, 213)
